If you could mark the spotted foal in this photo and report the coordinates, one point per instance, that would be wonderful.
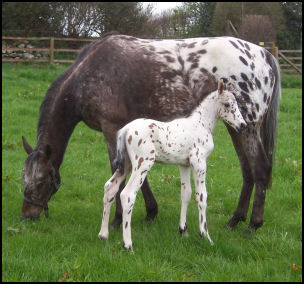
(186, 142)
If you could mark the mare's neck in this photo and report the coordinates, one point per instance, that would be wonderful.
(206, 113)
(57, 120)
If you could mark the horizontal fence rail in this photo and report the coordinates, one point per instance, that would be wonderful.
(290, 60)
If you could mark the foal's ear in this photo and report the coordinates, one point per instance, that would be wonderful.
(28, 149)
(221, 87)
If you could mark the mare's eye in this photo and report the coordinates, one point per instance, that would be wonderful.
(227, 105)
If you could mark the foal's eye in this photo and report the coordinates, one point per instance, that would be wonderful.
(227, 105)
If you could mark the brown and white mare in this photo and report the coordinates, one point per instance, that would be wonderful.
(119, 78)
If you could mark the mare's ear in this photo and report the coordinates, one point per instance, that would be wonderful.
(47, 150)
(28, 149)
(221, 87)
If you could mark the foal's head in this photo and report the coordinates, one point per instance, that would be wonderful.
(228, 109)
(40, 179)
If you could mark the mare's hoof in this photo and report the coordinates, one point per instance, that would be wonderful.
(151, 214)
(233, 222)
(248, 232)
(116, 223)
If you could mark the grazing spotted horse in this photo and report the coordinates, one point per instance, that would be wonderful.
(119, 78)
(186, 142)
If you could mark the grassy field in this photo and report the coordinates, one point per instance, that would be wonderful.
(65, 247)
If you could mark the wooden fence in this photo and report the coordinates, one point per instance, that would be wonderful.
(50, 50)
(290, 60)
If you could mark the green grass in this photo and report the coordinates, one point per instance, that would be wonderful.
(65, 247)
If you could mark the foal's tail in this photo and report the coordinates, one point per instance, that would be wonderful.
(119, 162)
(269, 125)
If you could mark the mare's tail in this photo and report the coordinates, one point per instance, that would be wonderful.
(269, 125)
(119, 162)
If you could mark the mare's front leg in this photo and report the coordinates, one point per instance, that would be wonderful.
(199, 173)
(240, 213)
(185, 197)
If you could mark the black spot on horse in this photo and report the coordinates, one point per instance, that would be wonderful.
(243, 60)
(252, 66)
(225, 80)
(265, 97)
(126, 225)
(181, 61)
(254, 115)
(244, 77)
(240, 43)
(233, 77)
(247, 46)
(202, 51)
(169, 58)
(257, 107)
(258, 83)
(234, 44)
(250, 85)
(191, 45)
(266, 80)
(194, 65)
(243, 86)
(250, 117)
(262, 53)
(246, 97)
(214, 69)
(248, 54)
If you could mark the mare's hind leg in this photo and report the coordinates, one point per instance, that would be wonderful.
(260, 172)
(240, 213)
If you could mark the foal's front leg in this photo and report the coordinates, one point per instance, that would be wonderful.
(199, 174)
(185, 196)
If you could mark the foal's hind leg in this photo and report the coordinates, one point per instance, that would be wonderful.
(110, 189)
(185, 196)
(248, 182)
(109, 131)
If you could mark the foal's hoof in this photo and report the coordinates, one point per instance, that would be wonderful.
(103, 236)
(151, 214)
(127, 247)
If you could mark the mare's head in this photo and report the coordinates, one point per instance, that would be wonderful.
(228, 109)
(40, 179)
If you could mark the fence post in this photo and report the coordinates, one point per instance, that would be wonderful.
(52, 50)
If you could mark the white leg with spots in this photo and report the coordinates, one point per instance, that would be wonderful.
(185, 196)
(110, 189)
(199, 174)
(128, 196)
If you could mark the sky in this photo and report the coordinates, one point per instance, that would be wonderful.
(161, 6)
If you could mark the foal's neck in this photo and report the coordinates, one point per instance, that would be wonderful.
(206, 112)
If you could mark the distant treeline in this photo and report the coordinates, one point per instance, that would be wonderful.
(254, 21)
